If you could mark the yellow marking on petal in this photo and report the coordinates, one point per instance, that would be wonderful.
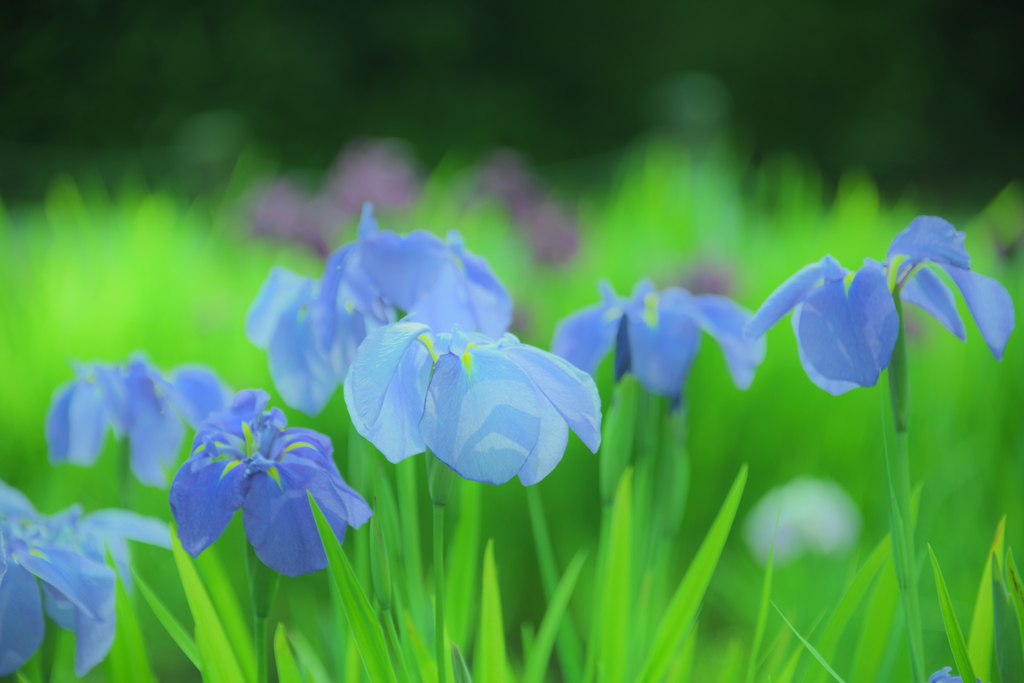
(230, 466)
(38, 553)
(349, 306)
(298, 444)
(459, 263)
(612, 313)
(847, 280)
(248, 438)
(651, 309)
(277, 477)
(429, 343)
(467, 360)
(893, 271)
(199, 449)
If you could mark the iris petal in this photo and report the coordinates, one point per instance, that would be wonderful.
(835, 387)
(14, 504)
(403, 268)
(88, 585)
(379, 358)
(204, 496)
(990, 304)
(76, 424)
(551, 443)
(302, 373)
(481, 416)
(662, 351)
(787, 295)
(197, 393)
(570, 391)
(126, 524)
(584, 338)
(277, 293)
(93, 637)
(21, 619)
(930, 238)
(850, 336)
(724, 320)
(926, 291)
(279, 521)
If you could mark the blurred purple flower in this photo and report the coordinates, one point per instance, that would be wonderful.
(283, 211)
(709, 278)
(550, 228)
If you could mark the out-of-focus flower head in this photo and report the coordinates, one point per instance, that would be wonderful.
(550, 228)
(945, 675)
(64, 556)
(381, 172)
(282, 211)
(814, 515)
(656, 336)
(489, 410)
(707, 277)
(846, 322)
(311, 328)
(246, 458)
(139, 403)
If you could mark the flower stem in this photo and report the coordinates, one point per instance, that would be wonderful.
(263, 587)
(124, 472)
(901, 514)
(439, 591)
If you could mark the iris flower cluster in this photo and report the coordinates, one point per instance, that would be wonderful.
(846, 323)
(489, 410)
(656, 336)
(140, 404)
(312, 328)
(55, 564)
(247, 458)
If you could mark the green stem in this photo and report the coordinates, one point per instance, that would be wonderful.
(263, 587)
(590, 665)
(902, 516)
(389, 620)
(439, 591)
(124, 472)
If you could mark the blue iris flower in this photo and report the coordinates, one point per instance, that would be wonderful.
(945, 675)
(64, 556)
(139, 403)
(656, 336)
(489, 410)
(245, 458)
(846, 322)
(312, 328)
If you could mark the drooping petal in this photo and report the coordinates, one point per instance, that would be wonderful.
(155, 431)
(790, 293)
(836, 387)
(584, 338)
(93, 637)
(481, 415)
(115, 523)
(325, 307)
(724, 320)
(204, 495)
(277, 293)
(301, 371)
(551, 442)
(930, 238)
(111, 382)
(374, 367)
(403, 269)
(571, 391)
(197, 393)
(21, 619)
(14, 504)
(396, 431)
(350, 331)
(662, 345)
(87, 584)
(488, 306)
(990, 304)
(850, 336)
(58, 608)
(76, 423)
(244, 407)
(931, 294)
(279, 521)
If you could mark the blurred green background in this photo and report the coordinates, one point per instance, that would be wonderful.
(735, 141)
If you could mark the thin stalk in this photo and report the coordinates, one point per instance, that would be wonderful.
(901, 516)
(439, 592)
(396, 645)
(590, 666)
(263, 587)
(259, 629)
(124, 472)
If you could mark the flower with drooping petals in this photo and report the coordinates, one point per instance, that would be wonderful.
(488, 409)
(56, 564)
(246, 458)
(656, 336)
(846, 323)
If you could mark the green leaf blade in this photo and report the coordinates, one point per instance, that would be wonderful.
(492, 629)
(174, 629)
(980, 638)
(540, 653)
(618, 587)
(287, 670)
(953, 632)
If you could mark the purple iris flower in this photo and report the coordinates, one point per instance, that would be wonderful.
(488, 409)
(657, 334)
(311, 329)
(64, 556)
(246, 458)
(139, 403)
(944, 675)
(846, 322)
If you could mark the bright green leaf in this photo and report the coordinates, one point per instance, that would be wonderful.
(459, 667)
(540, 653)
(953, 632)
(877, 626)
(762, 612)
(170, 624)
(979, 642)
(492, 630)
(463, 564)
(1006, 633)
(686, 601)
(618, 586)
(309, 661)
(810, 648)
(127, 661)
(225, 599)
(287, 671)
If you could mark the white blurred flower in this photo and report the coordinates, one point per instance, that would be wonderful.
(816, 516)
